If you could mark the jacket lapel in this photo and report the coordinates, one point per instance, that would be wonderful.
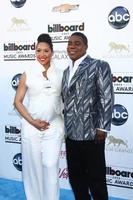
(81, 68)
(66, 78)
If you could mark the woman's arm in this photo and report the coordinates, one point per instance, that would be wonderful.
(18, 103)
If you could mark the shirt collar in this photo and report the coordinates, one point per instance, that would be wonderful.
(42, 69)
(77, 62)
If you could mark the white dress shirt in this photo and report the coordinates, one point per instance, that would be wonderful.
(73, 68)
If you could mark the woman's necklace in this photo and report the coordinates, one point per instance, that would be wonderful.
(45, 74)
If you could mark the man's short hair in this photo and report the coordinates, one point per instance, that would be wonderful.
(82, 36)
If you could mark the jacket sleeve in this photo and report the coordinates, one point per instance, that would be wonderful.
(105, 95)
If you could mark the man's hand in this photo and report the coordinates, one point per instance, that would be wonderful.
(100, 136)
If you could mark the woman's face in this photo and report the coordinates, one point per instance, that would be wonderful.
(44, 54)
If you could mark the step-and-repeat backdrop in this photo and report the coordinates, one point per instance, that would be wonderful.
(108, 26)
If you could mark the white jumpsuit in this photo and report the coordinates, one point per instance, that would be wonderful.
(40, 150)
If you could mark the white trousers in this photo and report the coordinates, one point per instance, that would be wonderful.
(40, 158)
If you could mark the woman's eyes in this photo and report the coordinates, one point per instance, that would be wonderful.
(40, 50)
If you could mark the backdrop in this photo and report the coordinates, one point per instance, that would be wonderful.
(108, 26)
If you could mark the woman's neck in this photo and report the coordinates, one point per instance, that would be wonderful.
(46, 67)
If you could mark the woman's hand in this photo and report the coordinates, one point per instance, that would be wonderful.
(40, 125)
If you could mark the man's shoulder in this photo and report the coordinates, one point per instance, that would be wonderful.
(102, 65)
(100, 62)
(90, 59)
(103, 62)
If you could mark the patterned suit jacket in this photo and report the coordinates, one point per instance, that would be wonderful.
(88, 99)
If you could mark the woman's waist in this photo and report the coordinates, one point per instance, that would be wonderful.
(42, 95)
(46, 106)
(44, 100)
(45, 114)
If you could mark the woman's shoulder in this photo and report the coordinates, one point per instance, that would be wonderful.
(58, 70)
(31, 69)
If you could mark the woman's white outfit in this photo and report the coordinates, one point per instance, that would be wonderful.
(40, 149)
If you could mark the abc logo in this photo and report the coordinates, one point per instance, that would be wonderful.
(18, 3)
(15, 81)
(119, 115)
(119, 17)
(17, 161)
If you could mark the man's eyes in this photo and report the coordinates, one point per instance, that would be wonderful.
(76, 43)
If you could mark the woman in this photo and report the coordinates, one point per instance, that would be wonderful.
(42, 124)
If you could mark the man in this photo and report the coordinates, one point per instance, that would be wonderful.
(88, 99)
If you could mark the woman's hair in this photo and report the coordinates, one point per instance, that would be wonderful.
(44, 37)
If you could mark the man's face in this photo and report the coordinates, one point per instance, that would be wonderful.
(76, 47)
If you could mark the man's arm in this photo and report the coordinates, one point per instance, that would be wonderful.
(105, 98)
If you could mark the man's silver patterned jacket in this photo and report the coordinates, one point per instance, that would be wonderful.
(88, 99)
